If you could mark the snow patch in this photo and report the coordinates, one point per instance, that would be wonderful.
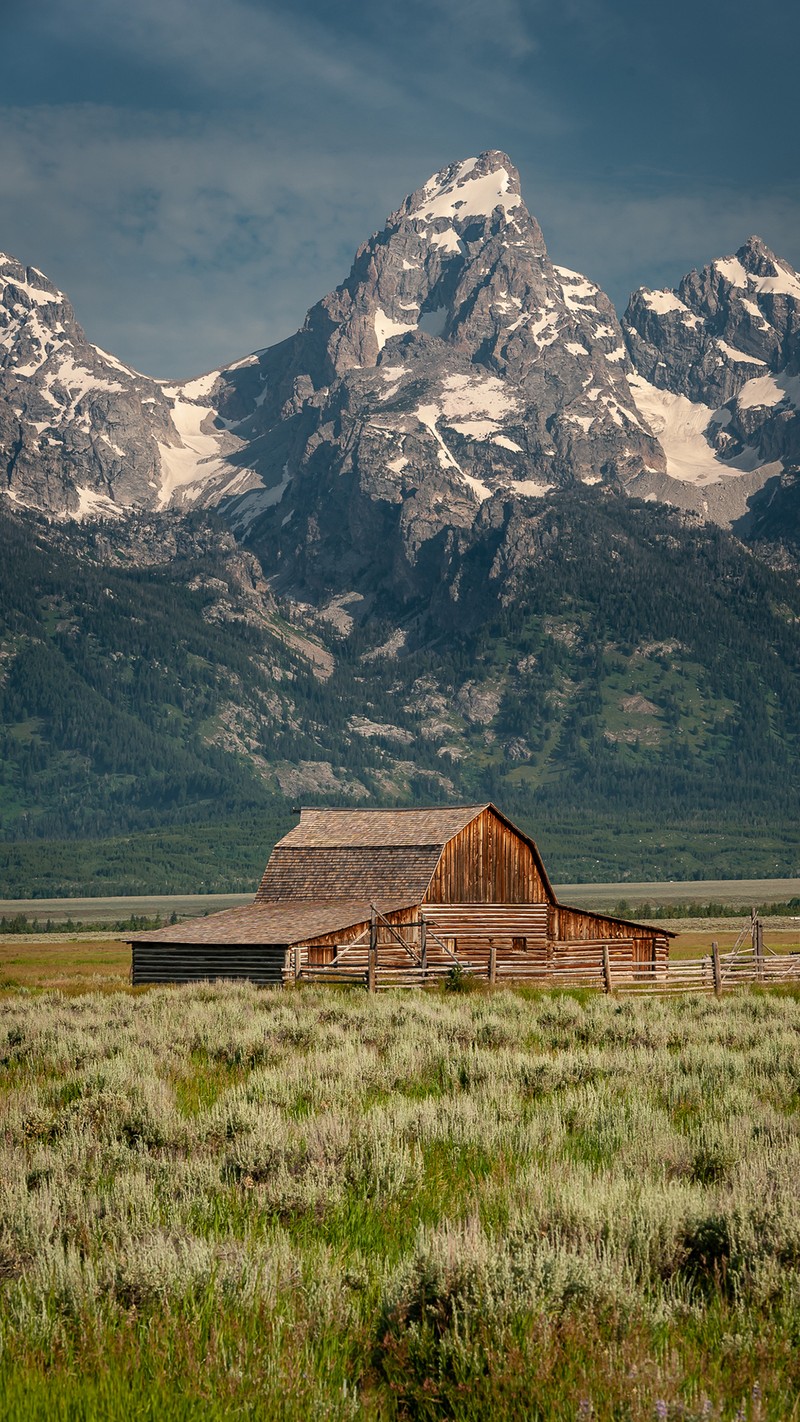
(385, 328)
(662, 301)
(76, 378)
(575, 289)
(465, 396)
(680, 426)
(463, 196)
(434, 322)
(427, 416)
(198, 455)
(92, 504)
(784, 283)
(738, 356)
(473, 429)
(585, 421)
(196, 389)
(531, 488)
(447, 241)
(770, 390)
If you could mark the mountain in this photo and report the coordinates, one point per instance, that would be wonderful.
(465, 535)
(84, 436)
(456, 365)
(718, 380)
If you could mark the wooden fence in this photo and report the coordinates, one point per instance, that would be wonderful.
(400, 961)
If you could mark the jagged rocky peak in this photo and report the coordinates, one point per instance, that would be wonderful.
(84, 435)
(471, 198)
(716, 379)
(408, 277)
(455, 363)
(705, 338)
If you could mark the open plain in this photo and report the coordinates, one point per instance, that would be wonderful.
(223, 1202)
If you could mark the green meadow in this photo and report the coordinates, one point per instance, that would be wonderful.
(219, 1202)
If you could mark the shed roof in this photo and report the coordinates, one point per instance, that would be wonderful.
(271, 923)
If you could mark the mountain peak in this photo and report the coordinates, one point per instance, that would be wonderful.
(471, 188)
(758, 259)
(28, 279)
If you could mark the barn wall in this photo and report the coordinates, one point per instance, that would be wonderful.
(487, 862)
(197, 962)
(325, 948)
(570, 925)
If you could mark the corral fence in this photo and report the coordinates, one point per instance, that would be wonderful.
(413, 955)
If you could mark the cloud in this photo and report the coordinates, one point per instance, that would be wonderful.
(624, 240)
(195, 174)
(183, 244)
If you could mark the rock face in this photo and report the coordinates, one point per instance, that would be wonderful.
(718, 380)
(455, 375)
(83, 435)
(455, 365)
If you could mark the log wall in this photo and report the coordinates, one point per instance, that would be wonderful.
(199, 962)
(573, 926)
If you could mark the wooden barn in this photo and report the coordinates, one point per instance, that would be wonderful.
(398, 897)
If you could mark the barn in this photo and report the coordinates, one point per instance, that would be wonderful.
(386, 897)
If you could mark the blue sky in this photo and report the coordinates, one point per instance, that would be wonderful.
(196, 173)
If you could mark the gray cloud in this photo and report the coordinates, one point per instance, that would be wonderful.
(206, 171)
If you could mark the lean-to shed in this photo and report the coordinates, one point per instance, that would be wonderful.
(441, 885)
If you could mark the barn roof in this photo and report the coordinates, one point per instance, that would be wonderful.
(368, 829)
(276, 924)
(345, 853)
(302, 874)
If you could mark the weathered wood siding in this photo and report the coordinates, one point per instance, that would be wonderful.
(574, 926)
(196, 962)
(487, 862)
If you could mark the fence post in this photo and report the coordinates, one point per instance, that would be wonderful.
(492, 961)
(423, 945)
(717, 966)
(607, 984)
(372, 958)
(296, 962)
(759, 948)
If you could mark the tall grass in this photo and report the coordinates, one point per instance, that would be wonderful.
(220, 1202)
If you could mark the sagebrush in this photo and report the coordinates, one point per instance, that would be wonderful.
(221, 1201)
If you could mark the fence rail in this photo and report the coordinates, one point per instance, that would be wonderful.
(603, 964)
(694, 975)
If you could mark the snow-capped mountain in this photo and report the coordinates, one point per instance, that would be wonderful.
(455, 364)
(718, 381)
(455, 368)
(84, 435)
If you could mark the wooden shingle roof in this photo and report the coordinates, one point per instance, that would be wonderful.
(271, 924)
(361, 854)
(357, 829)
(305, 874)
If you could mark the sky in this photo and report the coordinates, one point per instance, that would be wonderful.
(195, 174)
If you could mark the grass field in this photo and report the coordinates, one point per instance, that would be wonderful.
(73, 964)
(217, 1202)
